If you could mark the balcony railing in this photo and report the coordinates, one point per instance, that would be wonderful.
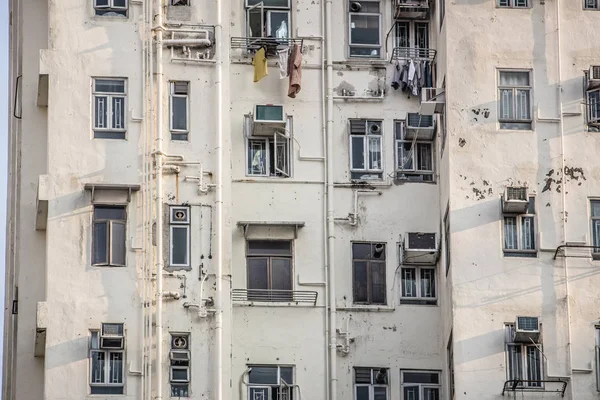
(412, 9)
(413, 53)
(271, 44)
(274, 296)
(548, 386)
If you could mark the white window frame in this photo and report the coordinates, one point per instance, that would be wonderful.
(519, 228)
(421, 386)
(367, 154)
(111, 6)
(174, 364)
(179, 225)
(592, 120)
(94, 346)
(431, 300)
(515, 89)
(109, 109)
(187, 108)
(401, 124)
(412, 33)
(593, 218)
(513, 4)
(372, 385)
(508, 328)
(265, 19)
(286, 137)
(360, 45)
(597, 358)
(269, 388)
(172, 3)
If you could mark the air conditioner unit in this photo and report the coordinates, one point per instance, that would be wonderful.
(515, 199)
(420, 126)
(594, 77)
(111, 337)
(420, 248)
(527, 329)
(268, 119)
(180, 215)
(432, 101)
(411, 9)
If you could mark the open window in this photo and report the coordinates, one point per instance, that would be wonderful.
(414, 156)
(366, 149)
(268, 146)
(371, 383)
(524, 360)
(268, 18)
(520, 232)
(108, 236)
(270, 382)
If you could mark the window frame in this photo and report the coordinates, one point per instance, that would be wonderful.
(510, 123)
(267, 140)
(379, 45)
(590, 109)
(373, 384)
(179, 134)
(109, 132)
(412, 174)
(179, 225)
(270, 257)
(171, 3)
(265, 20)
(270, 387)
(508, 343)
(419, 299)
(595, 7)
(520, 251)
(421, 386)
(109, 235)
(180, 364)
(595, 237)
(366, 136)
(101, 10)
(107, 370)
(597, 357)
(513, 4)
(369, 282)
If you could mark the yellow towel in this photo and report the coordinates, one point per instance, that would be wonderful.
(260, 65)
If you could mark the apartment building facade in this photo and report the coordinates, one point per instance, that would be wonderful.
(418, 222)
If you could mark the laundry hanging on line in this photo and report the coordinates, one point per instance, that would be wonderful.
(260, 64)
(412, 76)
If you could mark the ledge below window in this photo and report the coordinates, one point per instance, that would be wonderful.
(520, 253)
(418, 302)
(265, 297)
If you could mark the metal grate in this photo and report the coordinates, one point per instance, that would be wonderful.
(421, 241)
(516, 193)
(419, 121)
(595, 72)
(527, 323)
(271, 45)
(412, 9)
(274, 296)
(413, 53)
(548, 386)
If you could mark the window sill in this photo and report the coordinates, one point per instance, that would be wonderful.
(418, 302)
(108, 266)
(110, 17)
(520, 253)
(368, 308)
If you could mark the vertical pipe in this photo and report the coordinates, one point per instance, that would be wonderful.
(159, 200)
(330, 209)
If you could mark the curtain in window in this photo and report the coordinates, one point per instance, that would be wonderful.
(257, 153)
(514, 78)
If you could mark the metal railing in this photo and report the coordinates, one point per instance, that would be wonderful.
(413, 53)
(253, 44)
(274, 296)
(523, 385)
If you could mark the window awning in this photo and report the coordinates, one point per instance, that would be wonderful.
(93, 187)
(246, 225)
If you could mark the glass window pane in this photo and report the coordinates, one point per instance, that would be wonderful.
(361, 251)
(422, 35)
(257, 273)
(179, 245)
(287, 374)
(116, 368)
(506, 104)
(523, 107)
(263, 375)
(278, 24)
(281, 274)
(102, 3)
(402, 34)
(534, 368)
(256, 24)
(179, 390)
(378, 282)
(180, 87)
(270, 3)
(110, 85)
(425, 161)
(360, 281)
(515, 362)
(431, 394)
(259, 394)
(362, 393)
(98, 363)
(595, 208)
(405, 156)
(427, 283)
(421, 377)
(514, 78)
(364, 29)
(375, 153)
(257, 157)
(596, 234)
(120, 3)
(100, 243)
(527, 232)
(409, 285)
(100, 111)
(358, 152)
(379, 393)
(118, 113)
(180, 374)
(115, 213)
(510, 233)
(270, 247)
(411, 393)
(118, 243)
(179, 113)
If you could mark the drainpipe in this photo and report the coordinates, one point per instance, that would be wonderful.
(330, 209)
(158, 158)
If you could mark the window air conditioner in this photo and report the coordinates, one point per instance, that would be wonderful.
(268, 119)
(420, 126)
(515, 200)
(111, 337)
(432, 101)
(411, 9)
(594, 77)
(420, 248)
(527, 329)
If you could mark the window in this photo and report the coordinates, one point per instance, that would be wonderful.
(447, 238)
(513, 3)
(420, 39)
(268, 154)
(365, 28)
(268, 18)
(270, 276)
(524, 361)
(370, 383)
(420, 385)
(366, 160)
(450, 356)
(414, 157)
(109, 108)
(112, 8)
(107, 360)
(270, 382)
(443, 126)
(595, 208)
(179, 123)
(108, 236)
(179, 370)
(368, 271)
(179, 233)
(519, 233)
(591, 5)
(598, 358)
(593, 108)
(514, 99)
(180, 2)
(418, 286)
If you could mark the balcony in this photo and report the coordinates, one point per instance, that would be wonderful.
(413, 53)
(271, 44)
(291, 297)
(411, 9)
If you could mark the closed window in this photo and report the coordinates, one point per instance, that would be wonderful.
(371, 383)
(519, 233)
(414, 157)
(591, 5)
(109, 98)
(107, 364)
(366, 149)
(514, 100)
(412, 34)
(270, 276)
(268, 18)
(524, 361)
(595, 208)
(113, 8)
(179, 370)
(420, 385)
(447, 238)
(368, 271)
(418, 286)
(597, 358)
(179, 233)
(108, 236)
(270, 382)
(180, 2)
(179, 121)
(593, 108)
(513, 3)
(365, 28)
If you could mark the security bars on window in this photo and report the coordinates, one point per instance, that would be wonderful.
(524, 361)
(107, 365)
(110, 112)
(266, 382)
(514, 100)
(418, 286)
(513, 3)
